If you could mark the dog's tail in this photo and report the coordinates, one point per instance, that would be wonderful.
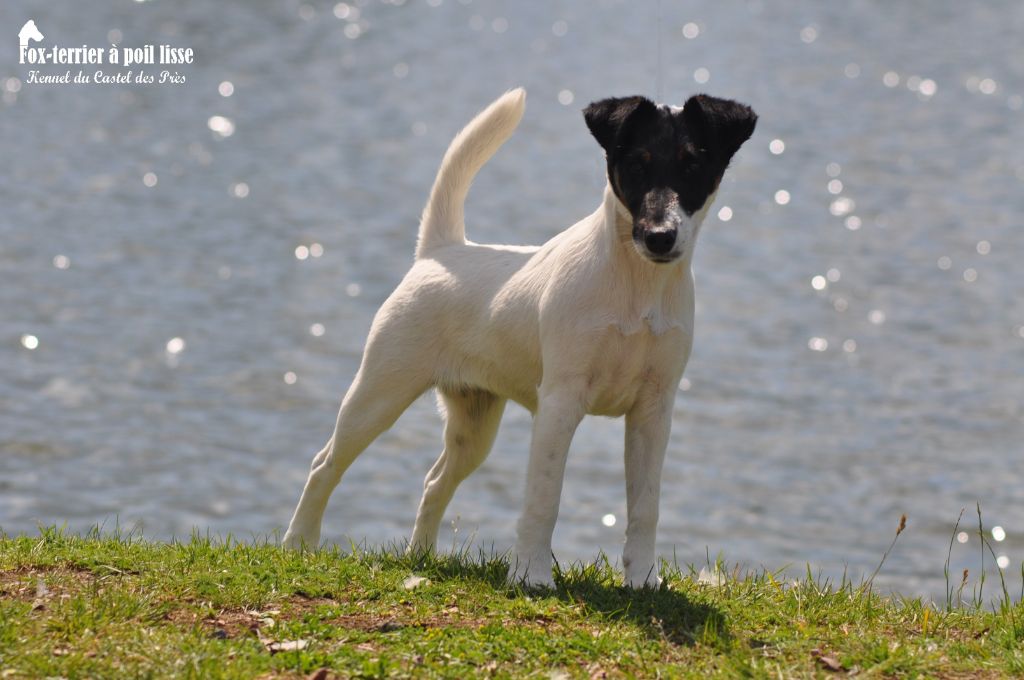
(443, 219)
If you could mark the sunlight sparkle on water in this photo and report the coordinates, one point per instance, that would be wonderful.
(725, 213)
(818, 344)
(175, 346)
(608, 520)
(301, 252)
(345, 11)
(876, 316)
(565, 97)
(983, 247)
(998, 533)
(226, 88)
(691, 30)
(29, 341)
(290, 378)
(221, 125)
(841, 206)
(818, 282)
(1003, 561)
(962, 537)
(782, 197)
(61, 261)
(777, 146)
(702, 75)
(316, 330)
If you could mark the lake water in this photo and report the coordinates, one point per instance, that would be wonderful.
(188, 277)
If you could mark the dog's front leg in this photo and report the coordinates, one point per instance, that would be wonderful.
(558, 414)
(647, 429)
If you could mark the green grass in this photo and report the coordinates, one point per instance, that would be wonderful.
(116, 606)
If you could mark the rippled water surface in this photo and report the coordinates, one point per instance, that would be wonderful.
(188, 277)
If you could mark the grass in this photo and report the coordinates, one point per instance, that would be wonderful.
(113, 606)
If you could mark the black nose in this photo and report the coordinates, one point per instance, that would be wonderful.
(660, 242)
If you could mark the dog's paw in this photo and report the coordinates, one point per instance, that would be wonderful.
(652, 581)
(296, 541)
(642, 577)
(530, 575)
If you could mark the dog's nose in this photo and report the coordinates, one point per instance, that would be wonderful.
(660, 242)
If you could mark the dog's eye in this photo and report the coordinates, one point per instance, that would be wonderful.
(689, 156)
(636, 164)
(689, 163)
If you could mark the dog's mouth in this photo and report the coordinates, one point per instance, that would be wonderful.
(657, 258)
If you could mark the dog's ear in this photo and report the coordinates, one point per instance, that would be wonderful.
(721, 124)
(607, 117)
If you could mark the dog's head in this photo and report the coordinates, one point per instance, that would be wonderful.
(664, 164)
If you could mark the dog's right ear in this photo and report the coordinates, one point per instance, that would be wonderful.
(606, 118)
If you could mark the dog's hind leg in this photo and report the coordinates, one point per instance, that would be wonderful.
(379, 394)
(471, 422)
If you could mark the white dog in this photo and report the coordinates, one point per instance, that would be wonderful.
(599, 320)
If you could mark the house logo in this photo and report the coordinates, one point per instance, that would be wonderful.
(28, 33)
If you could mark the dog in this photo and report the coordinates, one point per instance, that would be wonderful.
(598, 320)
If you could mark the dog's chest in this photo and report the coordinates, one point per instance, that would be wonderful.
(634, 366)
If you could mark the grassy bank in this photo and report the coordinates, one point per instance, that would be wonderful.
(119, 607)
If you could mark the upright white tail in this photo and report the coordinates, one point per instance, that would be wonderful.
(443, 220)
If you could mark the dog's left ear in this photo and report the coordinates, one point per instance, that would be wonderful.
(721, 124)
(607, 117)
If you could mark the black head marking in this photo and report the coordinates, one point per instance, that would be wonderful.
(664, 164)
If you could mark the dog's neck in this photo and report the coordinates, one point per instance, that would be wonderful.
(661, 294)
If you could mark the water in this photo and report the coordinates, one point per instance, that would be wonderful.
(198, 301)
